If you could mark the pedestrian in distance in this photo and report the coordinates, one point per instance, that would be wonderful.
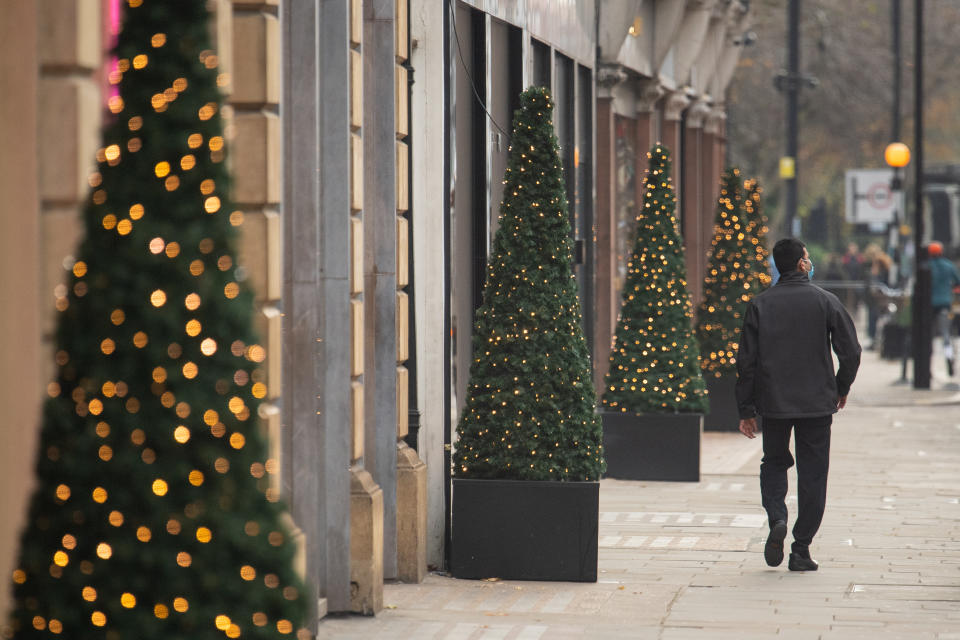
(943, 278)
(785, 375)
(852, 264)
(876, 273)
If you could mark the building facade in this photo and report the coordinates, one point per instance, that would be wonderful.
(368, 143)
(663, 71)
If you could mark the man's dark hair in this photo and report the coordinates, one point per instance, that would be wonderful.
(787, 253)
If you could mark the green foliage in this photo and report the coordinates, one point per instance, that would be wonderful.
(154, 514)
(654, 364)
(530, 409)
(737, 270)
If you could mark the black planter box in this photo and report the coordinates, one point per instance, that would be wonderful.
(723, 415)
(893, 341)
(525, 530)
(655, 446)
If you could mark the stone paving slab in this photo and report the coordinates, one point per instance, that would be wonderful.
(682, 561)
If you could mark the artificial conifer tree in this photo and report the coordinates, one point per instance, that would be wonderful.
(530, 408)
(654, 364)
(736, 272)
(155, 513)
(757, 231)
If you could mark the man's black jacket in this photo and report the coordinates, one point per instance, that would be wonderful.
(784, 366)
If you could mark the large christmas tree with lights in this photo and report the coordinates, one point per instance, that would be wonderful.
(155, 513)
(736, 272)
(530, 409)
(654, 363)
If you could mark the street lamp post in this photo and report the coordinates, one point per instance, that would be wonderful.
(790, 82)
(793, 88)
(897, 156)
(922, 312)
(895, 24)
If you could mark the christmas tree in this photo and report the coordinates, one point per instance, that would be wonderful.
(757, 230)
(530, 409)
(155, 513)
(737, 271)
(654, 364)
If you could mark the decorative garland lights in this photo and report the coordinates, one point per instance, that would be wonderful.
(156, 511)
(757, 230)
(654, 363)
(529, 412)
(736, 272)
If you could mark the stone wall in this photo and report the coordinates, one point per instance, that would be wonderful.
(50, 106)
(52, 86)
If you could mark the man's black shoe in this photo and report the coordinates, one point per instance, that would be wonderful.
(773, 550)
(801, 563)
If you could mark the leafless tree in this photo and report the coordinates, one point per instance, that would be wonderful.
(846, 121)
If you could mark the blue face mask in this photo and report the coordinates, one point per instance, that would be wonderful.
(810, 273)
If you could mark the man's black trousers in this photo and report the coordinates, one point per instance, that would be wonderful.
(813, 461)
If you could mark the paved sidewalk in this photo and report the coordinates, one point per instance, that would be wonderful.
(685, 560)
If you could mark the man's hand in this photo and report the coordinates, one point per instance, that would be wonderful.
(748, 427)
(842, 402)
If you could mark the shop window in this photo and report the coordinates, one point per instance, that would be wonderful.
(542, 64)
(564, 121)
(625, 198)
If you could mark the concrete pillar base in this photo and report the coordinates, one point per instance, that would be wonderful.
(366, 543)
(299, 540)
(411, 515)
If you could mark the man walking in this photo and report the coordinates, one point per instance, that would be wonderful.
(785, 374)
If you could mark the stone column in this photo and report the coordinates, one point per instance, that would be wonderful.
(366, 497)
(714, 153)
(709, 190)
(366, 543)
(23, 304)
(50, 115)
(695, 217)
(248, 44)
(607, 297)
(673, 107)
(333, 497)
(411, 518)
(716, 125)
(427, 223)
(411, 515)
(71, 103)
(649, 92)
(380, 261)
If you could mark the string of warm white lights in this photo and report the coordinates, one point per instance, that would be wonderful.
(654, 362)
(156, 511)
(736, 271)
(530, 408)
(757, 230)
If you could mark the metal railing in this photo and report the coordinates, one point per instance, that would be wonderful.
(862, 285)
